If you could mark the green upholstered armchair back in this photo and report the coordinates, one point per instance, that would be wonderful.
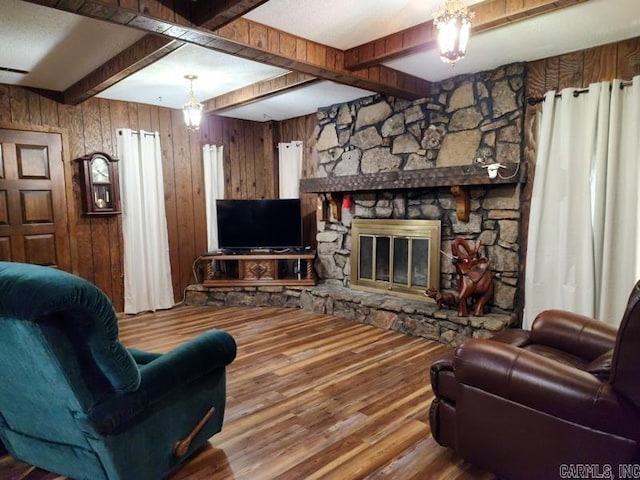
(75, 401)
(59, 352)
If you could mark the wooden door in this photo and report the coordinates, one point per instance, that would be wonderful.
(33, 210)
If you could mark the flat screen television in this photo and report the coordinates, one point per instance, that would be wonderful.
(259, 224)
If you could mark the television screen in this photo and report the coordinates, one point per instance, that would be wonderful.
(247, 224)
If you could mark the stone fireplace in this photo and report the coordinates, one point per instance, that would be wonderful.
(374, 149)
(492, 221)
(396, 257)
(385, 158)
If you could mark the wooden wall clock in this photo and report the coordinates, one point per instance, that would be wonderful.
(99, 182)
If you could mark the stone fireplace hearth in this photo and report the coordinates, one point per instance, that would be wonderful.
(402, 315)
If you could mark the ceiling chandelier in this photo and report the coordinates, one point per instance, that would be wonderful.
(453, 21)
(192, 110)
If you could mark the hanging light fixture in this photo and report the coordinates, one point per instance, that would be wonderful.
(453, 21)
(192, 110)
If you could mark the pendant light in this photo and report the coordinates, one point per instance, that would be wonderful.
(192, 110)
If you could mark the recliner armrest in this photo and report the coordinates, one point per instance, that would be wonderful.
(543, 384)
(190, 361)
(579, 335)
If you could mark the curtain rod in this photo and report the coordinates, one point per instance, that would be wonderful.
(286, 143)
(536, 100)
(136, 132)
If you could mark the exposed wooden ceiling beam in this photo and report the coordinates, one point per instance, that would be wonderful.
(252, 41)
(145, 51)
(262, 43)
(153, 47)
(214, 15)
(489, 14)
(258, 91)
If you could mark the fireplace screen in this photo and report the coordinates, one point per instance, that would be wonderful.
(401, 257)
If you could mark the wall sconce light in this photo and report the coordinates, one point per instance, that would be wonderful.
(192, 110)
(453, 21)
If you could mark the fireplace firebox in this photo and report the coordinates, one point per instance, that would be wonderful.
(397, 257)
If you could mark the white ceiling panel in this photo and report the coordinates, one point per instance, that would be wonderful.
(162, 83)
(301, 101)
(55, 47)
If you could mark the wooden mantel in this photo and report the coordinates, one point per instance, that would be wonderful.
(456, 177)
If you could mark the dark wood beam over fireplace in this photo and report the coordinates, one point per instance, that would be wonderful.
(464, 175)
(456, 177)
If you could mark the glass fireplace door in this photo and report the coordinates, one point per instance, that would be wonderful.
(394, 259)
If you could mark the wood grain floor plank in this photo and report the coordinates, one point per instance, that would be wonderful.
(309, 397)
(376, 453)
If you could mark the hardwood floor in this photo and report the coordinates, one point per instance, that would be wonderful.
(308, 397)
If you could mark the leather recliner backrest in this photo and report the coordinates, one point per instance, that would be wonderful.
(625, 370)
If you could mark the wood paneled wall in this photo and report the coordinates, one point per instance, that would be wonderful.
(250, 161)
(579, 69)
(304, 128)
(91, 126)
(251, 158)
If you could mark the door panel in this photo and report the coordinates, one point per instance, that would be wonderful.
(37, 206)
(33, 162)
(5, 249)
(4, 208)
(40, 249)
(33, 209)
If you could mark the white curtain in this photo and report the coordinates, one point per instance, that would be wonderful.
(147, 268)
(213, 159)
(290, 169)
(583, 239)
(618, 262)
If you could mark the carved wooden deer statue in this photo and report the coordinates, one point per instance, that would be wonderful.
(475, 279)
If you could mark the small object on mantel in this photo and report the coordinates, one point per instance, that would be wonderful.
(462, 202)
(346, 210)
(321, 213)
(335, 204)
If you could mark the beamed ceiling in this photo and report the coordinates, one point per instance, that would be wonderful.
(277, 59)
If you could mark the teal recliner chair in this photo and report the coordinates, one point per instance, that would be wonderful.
(76, 402)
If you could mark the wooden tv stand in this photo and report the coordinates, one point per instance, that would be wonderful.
(257, 269)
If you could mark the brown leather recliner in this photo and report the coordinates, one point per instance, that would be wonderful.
(537, 404)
